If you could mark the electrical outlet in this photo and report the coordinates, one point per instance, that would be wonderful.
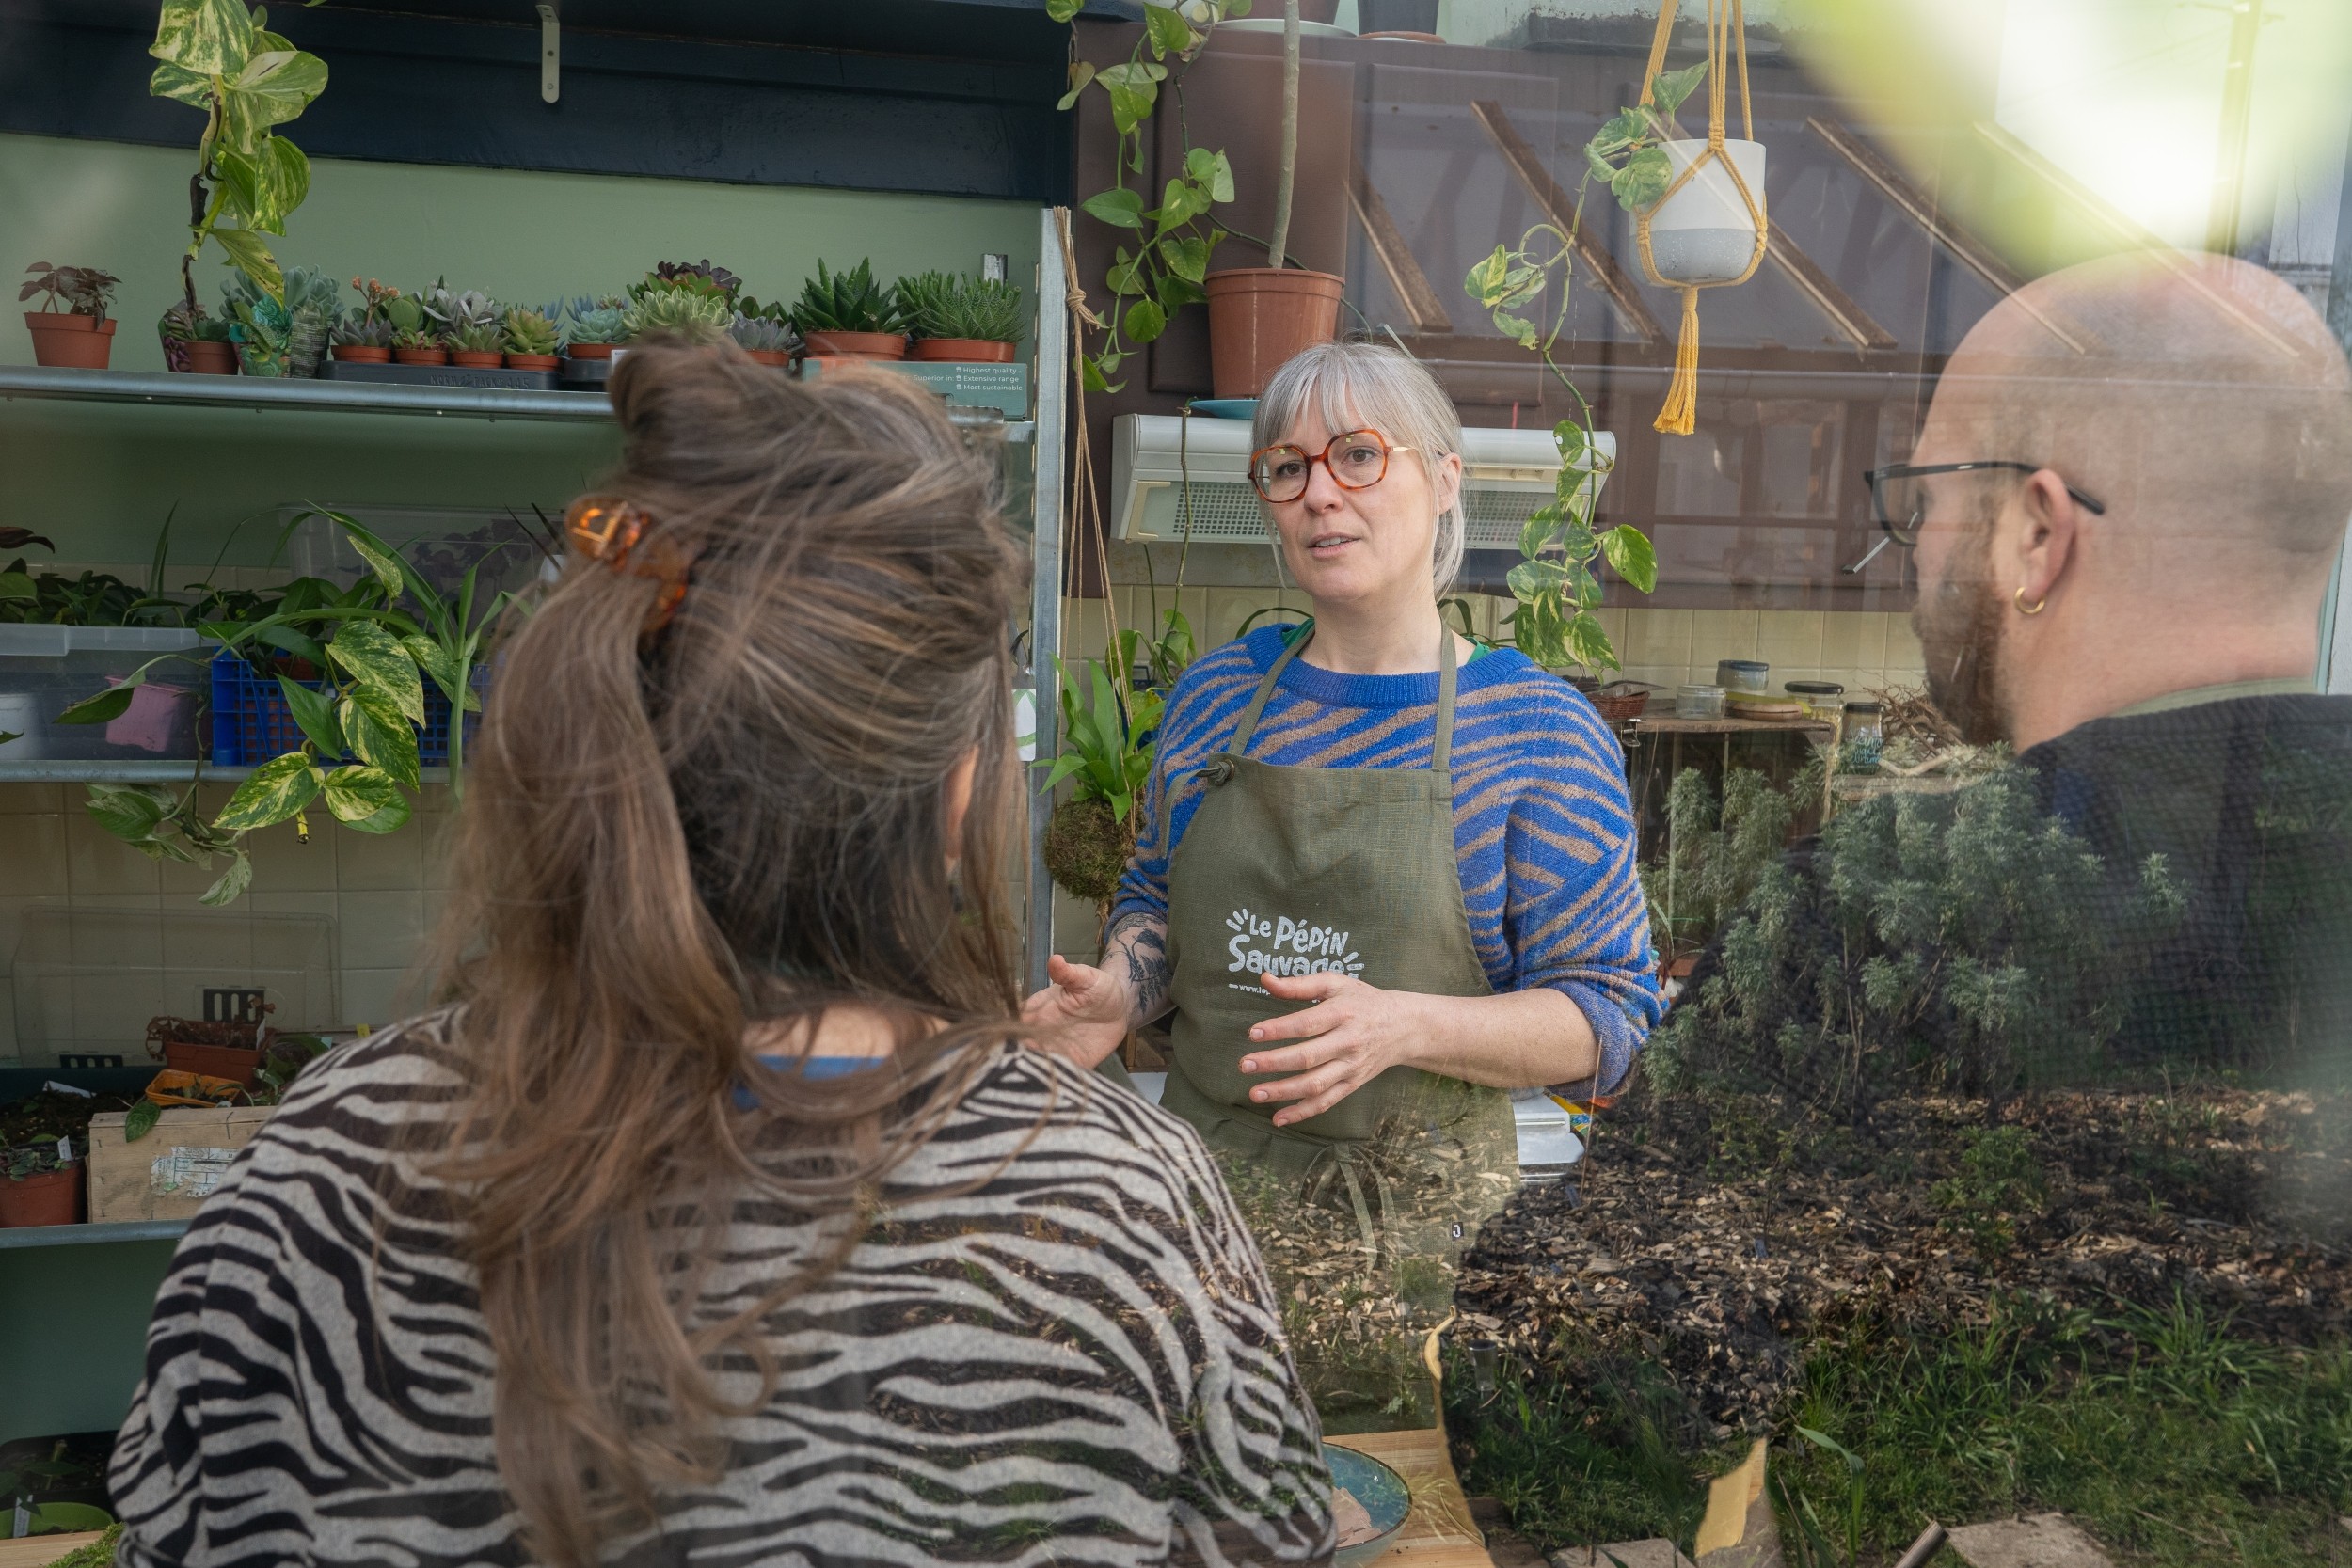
(233, 1004)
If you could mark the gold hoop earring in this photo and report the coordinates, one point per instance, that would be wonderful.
(2034, 608)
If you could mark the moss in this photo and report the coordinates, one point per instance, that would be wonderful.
(1087, 847)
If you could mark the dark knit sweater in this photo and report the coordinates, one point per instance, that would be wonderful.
(2250, 801)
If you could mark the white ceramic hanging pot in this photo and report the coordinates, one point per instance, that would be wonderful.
(1704, 233)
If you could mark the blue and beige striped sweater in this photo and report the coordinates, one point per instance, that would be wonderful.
(1541, 820)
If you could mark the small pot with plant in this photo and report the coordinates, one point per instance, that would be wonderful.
(691, 300)
(597, 327)
(230, 1048)
(40, 1184)
(282, 335)
(365, 336)
(767, 339)
(847, 315)
(196, 343)
(956, 316)
(80, 336)
(416, 334)
(478, 346)
(530, 340)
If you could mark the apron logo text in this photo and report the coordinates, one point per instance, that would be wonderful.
(1297, 946)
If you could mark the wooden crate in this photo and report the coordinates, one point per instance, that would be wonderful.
(167, 1174)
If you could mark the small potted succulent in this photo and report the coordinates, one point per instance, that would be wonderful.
(365, 335)
(281, 337)
(530, 339)
(847, 315)
(40, 1184)
(478, 346)
(697, 317)
(81, 336)
(958, 316)
(196, 343)
(596, 327)
(766, 337)
(416, 333)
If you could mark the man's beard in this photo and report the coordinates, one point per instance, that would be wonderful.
(1959, 628)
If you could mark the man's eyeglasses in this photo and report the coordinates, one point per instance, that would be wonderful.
(1355, 459)
(1898, 494)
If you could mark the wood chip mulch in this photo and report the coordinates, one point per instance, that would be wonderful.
(1681, 1246)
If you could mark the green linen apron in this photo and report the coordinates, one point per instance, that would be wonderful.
(1297, 870)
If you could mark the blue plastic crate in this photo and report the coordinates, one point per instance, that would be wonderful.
(251, 722)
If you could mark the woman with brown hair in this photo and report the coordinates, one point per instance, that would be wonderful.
(721, 1218)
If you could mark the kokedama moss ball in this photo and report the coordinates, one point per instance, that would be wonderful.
(1087, 847)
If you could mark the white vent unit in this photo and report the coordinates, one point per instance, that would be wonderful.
(1165, 478)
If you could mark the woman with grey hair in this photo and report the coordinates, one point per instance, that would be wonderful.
(1383, 876)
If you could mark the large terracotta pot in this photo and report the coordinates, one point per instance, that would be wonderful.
(964, 351)
(53, 1197)
(69, 342)
(857, 345)
(1260, 317)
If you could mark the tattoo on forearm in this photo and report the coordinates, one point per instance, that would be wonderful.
(1143, 941)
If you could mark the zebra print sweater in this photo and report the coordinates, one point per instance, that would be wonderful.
(1078, 1361)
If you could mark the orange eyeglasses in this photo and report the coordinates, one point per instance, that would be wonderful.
(1356, 460)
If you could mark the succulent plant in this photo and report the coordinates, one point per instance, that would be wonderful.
(959, 305)
(416, 337)
(376, 297)
(473, 309)
(700, 278)
(479, 337)
(698, 318)
(597, 321)
(529, 332)
(763, 333)
(847, 301)
(361, 329)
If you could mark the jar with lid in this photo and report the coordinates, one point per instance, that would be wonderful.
(1823, 700)
(1698, 701)
(1744, 675)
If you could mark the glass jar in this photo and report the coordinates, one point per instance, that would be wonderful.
(1864, 739)
(1698, 701)
(1744, 675)
(1823, 700)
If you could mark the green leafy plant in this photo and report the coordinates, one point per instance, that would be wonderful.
(1717, 851)
(849, 301)
(529, 332)
(92, 1554)
(479, 338)
(1107, 730)
(357, 330)
(701, 277)
(597, 321)
(83, 291)
(416, 338)
(1555, 583)
(217, 57)
(698, 317)
(1168, 266)
(959, 305)
(373, 645)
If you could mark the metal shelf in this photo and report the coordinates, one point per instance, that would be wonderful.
(178, 771)
(258, 393)
(91, 1235)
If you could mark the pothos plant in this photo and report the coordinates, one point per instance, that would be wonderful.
(1168, 268)
(217, 57)
(1555, 583)
(373, 646)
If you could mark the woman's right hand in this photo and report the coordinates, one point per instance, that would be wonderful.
(1083, 1014)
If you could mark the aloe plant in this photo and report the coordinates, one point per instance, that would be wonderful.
(847, 301)
(959, 305)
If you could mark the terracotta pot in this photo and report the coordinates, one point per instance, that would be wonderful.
(421, 355)
(769, 355)
(1260, 317)
(198, 356)
(234, 1063)
(967, 351)
(362, 353)
(53, 1197)
(532, 361)
(857, 345)
(591, 351)
(70, 342)
(476, 360)
(1313, 10)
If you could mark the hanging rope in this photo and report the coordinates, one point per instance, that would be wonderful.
(1726, 32)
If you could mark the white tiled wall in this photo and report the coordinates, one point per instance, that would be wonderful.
(382, 891)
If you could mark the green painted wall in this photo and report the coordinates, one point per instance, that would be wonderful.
(99, 480)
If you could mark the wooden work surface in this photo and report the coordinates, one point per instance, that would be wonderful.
(38, 1551)
(1437, 1532)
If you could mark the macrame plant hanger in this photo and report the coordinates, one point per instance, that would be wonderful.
(1724, 26)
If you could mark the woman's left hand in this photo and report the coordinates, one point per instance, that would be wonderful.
(1353, 1032)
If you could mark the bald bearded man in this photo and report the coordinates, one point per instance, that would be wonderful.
(2126, 503)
